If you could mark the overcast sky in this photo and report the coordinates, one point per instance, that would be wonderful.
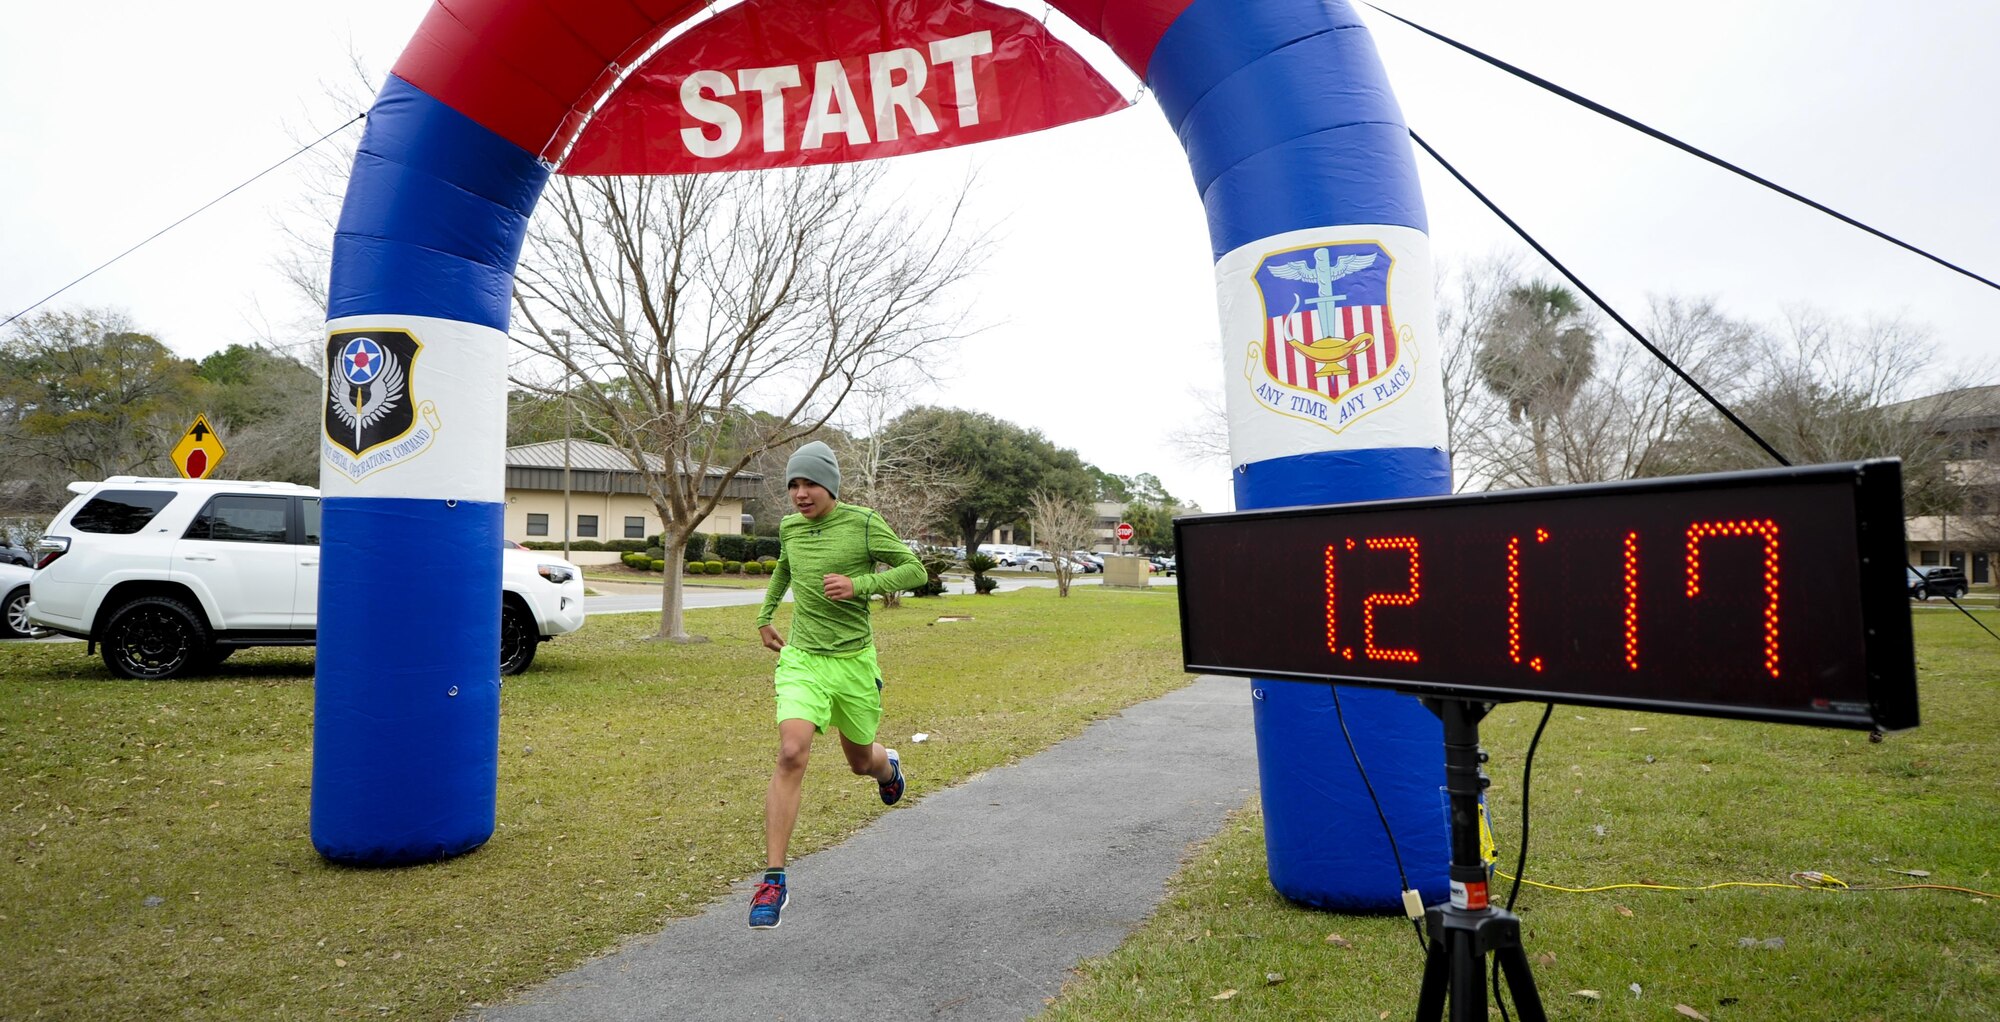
(118, 117)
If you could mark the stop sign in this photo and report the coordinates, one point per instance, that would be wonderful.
(1124, 532)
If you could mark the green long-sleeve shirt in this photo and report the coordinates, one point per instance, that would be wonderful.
(847, 540)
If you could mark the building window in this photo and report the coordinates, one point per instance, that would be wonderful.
(1927, 557)
(635, 528)
(586, 525)
(538, 525)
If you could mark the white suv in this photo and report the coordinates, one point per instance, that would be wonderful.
(172, 575)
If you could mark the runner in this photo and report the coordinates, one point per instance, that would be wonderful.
(826, 673)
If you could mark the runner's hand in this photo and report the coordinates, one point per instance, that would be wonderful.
(839, 587)
(771, 639)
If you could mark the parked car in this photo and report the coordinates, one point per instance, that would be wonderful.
(12, 552)
(1940, 581)
(1086, 561)
(169, 576)
(14, 602)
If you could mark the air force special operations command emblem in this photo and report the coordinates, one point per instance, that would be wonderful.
(372, 420)
(1331, 351)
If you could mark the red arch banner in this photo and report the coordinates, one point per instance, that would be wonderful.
(779, 83)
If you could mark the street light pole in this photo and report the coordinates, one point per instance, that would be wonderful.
(564, 334)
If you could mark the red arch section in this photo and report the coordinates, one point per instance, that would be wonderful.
(530, 70)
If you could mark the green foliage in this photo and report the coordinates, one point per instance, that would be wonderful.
(697, 547)
(733, 546)
(984, 584)
(934, 567)
(732, 567)
(1002, 463)
(656, 564)
(712, 567)
(768, 547)
(1152, 526)
(85, 396)
(753, 567)
(627, 545)
(657, 551)
(980, 564)
(694, 567)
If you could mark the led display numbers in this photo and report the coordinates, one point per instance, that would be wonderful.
(1765, 595)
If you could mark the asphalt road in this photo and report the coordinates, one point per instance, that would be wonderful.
(974, 903)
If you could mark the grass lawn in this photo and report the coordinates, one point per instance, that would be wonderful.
(1628, 797)
(155, 834)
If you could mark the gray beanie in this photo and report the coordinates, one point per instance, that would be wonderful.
(814, 462)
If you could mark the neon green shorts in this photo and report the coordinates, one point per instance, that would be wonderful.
(842, 692)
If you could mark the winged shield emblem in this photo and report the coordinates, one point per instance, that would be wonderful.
(368, 401)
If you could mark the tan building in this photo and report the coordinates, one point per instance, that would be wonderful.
(1970, 539)
(607, 499)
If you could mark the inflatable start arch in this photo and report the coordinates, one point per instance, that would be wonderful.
(1302, 161)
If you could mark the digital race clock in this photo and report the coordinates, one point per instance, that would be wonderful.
(1772, 595)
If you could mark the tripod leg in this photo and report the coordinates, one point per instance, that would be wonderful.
(1437, 969)
(1521, 983)
(1468, 980)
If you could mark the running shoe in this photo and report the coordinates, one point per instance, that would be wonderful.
(892, 792)
(767, 906)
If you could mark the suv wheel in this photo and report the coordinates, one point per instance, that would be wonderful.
(517, 639)
(154, 637)
(14, 621)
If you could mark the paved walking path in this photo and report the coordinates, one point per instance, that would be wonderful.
(972, 904)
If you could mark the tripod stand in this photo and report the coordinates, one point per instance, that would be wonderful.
(1468, 928)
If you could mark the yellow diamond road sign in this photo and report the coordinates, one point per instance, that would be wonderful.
(199, 450)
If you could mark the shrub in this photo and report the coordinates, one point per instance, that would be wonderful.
(697, 548)
(714, 567)
(630, 546)
(656, 564)
(585, 544)
(934, 568)
(542, 544)
(767, 548)
(984, 583)
(981, 563)
(693, 567)
(753, 567)
(631, 560)
(732, 567)
(733, 547)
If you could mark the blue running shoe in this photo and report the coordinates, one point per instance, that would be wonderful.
(767, 906)
(892, 792)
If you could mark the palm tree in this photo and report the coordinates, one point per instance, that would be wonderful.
(1535, 354)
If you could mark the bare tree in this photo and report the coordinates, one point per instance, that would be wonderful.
(692, 299)
(1823, 388)
(1062, 523)
(1627, 419)
(1469, 297)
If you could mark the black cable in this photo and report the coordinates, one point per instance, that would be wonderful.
(1527, 772)
(1691, 150)
(308, 147)
(1521, 861)
(1713, 401)
(1379, 814)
